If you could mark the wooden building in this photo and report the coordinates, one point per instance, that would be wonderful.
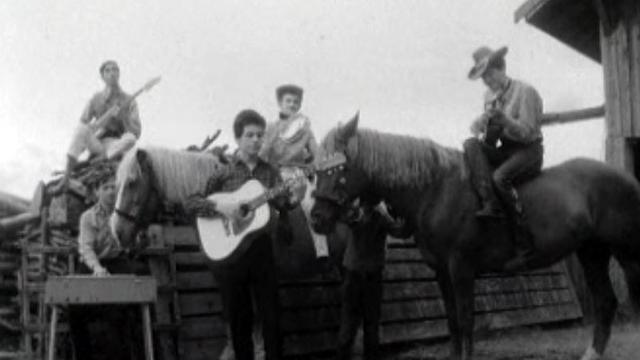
(608, 32)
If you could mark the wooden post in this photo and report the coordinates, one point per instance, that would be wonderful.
(621, 63)
(52, 334)
(620, 48)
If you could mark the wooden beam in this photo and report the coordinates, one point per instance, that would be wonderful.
(15, 222)
(606, 15)
(528, 9)
(571, 116)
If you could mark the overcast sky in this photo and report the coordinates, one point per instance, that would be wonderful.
(403, 64)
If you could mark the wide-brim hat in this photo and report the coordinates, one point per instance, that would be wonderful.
(482, 57)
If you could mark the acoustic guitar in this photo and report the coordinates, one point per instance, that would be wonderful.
(224, 239)
(103, 122)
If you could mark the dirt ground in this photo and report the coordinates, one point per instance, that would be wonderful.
(566, 343)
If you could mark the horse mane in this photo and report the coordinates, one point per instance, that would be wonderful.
(392, 160)
(179, 174)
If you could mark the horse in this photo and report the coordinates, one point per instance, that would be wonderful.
(582, 206)
(149, 178)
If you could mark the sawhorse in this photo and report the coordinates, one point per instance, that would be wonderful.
(107, 290)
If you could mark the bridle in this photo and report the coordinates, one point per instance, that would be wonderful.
(137, 219)
(328, 166)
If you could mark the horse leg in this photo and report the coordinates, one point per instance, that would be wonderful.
(462, 280)
(595, 262)
(455, 345)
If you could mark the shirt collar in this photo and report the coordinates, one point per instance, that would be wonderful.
(235, 160)
(108, 92)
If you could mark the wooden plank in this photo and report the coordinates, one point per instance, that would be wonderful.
(556, 118)
(315, 296)
(196, 280)
(202, 349)
(403, 255)
(202, 327)
(191, 258)
(409, 271)
(410, 290)
(300, 343)
(529, 316)
(207, 303)
(612, 102)
(180, 235)
(621, 53)
(634, 63)
(528, 9)
(413, 331)
(523, 283)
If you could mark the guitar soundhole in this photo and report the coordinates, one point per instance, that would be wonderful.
(241, 224)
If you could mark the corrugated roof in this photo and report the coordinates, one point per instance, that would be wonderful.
(573, 22)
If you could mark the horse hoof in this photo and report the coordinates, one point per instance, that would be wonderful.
(591, 354)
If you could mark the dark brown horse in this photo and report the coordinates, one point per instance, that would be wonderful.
(581, 206)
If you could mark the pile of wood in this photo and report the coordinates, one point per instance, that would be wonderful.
(37, 240)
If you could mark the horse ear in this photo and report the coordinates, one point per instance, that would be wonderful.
(349, 129)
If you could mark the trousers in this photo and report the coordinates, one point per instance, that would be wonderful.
(84, 138)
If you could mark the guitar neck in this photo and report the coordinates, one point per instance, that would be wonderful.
(266, 196)
(274, 192)
(102, 120)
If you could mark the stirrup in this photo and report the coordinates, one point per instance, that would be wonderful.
(490, 213)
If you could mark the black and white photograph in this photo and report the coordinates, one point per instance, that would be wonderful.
(320, 179)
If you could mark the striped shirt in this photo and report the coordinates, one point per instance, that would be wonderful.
(236, 174)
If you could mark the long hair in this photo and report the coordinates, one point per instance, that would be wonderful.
(398, 160)
(179, 173)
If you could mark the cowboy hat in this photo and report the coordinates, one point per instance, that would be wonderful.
(482, 57)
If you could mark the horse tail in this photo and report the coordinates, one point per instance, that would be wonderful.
(630, 264)
(632, 274)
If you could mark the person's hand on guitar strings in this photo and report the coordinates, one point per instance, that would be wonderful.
(479, 126)
(229, 210)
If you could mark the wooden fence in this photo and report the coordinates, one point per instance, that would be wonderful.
(412, 308)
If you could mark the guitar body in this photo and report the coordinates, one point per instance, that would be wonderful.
(224, 239)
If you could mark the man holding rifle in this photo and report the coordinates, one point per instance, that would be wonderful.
(109, 125)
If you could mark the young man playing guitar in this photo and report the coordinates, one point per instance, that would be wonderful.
(253, 271)
(109, 124)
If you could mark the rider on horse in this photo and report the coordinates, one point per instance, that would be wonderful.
(512, 115)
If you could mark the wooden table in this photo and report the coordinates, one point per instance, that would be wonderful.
(107, 290)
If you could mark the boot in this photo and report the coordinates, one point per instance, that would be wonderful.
(63, 185)
(522, 237)
(491, 207)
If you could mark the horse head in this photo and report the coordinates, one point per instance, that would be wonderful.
(138, 196)
(338, 182)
